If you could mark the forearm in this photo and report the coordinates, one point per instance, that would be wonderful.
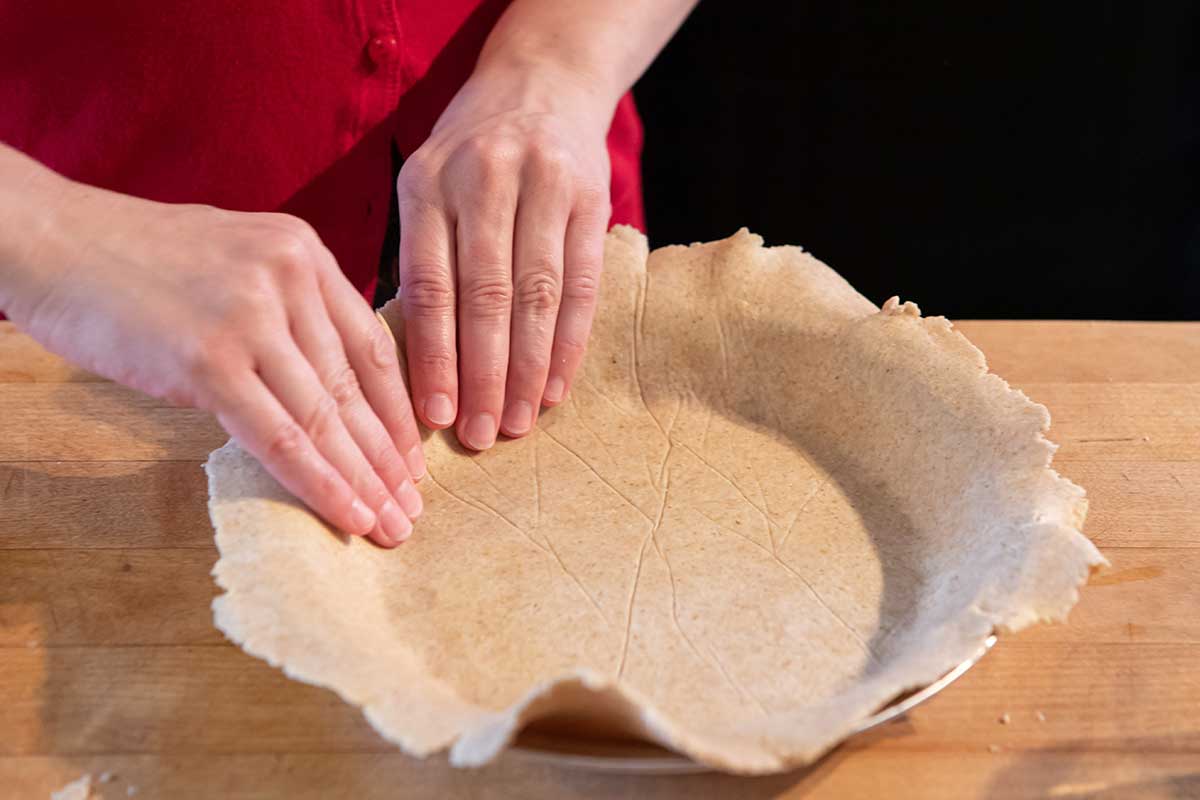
(32, 198)
(605, 45)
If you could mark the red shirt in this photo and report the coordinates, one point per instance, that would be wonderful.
(255, 106)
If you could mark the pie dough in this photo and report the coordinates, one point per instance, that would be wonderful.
(766, 509)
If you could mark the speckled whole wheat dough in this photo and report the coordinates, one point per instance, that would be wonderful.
(766, 509)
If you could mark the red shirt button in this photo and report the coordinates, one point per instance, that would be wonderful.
(383, 49)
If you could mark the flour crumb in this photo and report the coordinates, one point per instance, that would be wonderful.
(1040, 716)
(78, 789)
(130, 790)
(106, 777)
(1005, 718)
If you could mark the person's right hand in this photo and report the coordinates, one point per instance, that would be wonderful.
(246, 315)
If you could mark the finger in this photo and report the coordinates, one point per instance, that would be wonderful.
(583, 257)
(326, 350)
(427, 296)
(290, 376)
(371, 351)
(540, 229)
(257, 420)
(484, 268)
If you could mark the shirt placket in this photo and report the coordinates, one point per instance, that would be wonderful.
(387, 70)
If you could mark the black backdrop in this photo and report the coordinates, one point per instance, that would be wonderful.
(984, 159)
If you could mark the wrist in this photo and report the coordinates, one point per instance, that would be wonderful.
(48, 223)
(31, 201)
(546, 81)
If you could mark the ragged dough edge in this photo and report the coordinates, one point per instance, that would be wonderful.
(239, 614)
(483, 743)
(425, 716)
(422, 715)
(1045, 594)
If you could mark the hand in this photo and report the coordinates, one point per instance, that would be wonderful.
(503, 213)
(247, 316)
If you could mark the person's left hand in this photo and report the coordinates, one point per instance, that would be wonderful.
(503, 213)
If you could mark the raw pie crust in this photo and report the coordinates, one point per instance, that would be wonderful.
(766, 509)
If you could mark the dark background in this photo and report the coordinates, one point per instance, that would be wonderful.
(982, 159)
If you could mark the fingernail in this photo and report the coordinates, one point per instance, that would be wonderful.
(415, 460)
(410, 500)
(555, 389)
(438, 409)
(394, 523)
(481, 431)
(518, 417)
(362, 517)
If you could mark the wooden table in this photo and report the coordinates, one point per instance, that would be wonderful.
(109, 661)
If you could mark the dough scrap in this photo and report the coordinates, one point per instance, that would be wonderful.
(78, 789)
(766, 509)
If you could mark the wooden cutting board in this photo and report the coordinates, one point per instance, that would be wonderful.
(109, 661)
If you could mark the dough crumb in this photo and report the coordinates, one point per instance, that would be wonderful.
(1040, 716)
(78, 789)
(1005, 718)
(993, 748)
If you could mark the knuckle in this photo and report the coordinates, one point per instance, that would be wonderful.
(427, 294)
(571, 340)
(291, 245)
(385, 458)
(322, 418)
(488, 296)
(533, 361)
(374, 493)
(417, 177)
(568, 350)
(540, 291)
(381, 350)
(285, 442)
(298, 227)
(570, 344)
(342, 385)
(329, 483)
(498, 152)
(582, 287)
(434, 361)
(289, 259)
(487, 375)
(552, 161)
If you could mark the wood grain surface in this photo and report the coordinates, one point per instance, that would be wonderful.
(109, 662)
